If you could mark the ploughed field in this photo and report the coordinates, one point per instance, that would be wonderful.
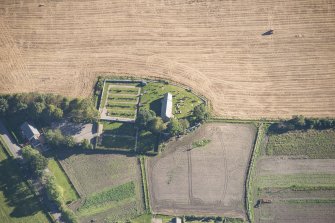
(298, 176)
(215, 47)
(188, 178)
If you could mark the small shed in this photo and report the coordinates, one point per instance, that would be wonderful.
(177, 220)
(166, 111)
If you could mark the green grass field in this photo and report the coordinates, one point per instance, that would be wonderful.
(312, 143)
(69, 194)
(118, 142)
(117, 203)
(119, 128)
(17, 203)
(154, 92)
(297, 181)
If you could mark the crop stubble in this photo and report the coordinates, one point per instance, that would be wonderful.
(215, 47)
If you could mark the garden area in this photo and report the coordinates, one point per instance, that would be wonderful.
(119, 101)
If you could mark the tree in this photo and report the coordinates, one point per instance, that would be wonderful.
(3, 106)
(184, 123)
(85, 144)
(35, 110)
(54, 192)
(144, 116)
(157, 125)
(298, 121)
(174, 127)
(201, 113)
(36, 163)
(83, 111)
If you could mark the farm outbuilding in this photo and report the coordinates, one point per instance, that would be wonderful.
(166, 112)
(31, 134)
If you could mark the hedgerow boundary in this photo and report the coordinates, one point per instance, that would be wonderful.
(256, 152)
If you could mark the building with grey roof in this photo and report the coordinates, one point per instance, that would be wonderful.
(31, 134)
(166, 112)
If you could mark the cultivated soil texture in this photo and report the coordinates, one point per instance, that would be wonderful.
(101, 179)
(215, 47)
(300, 190)
(206, 180)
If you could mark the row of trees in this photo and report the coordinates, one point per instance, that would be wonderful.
(302, 123)
(36, 164)
(42, 109)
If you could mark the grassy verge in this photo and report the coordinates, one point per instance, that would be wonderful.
(250, 191)
(310, 201)
(5, 147)
(62, 180)
(145, 185)
(297, 181)
(17, 202)
(313, 143)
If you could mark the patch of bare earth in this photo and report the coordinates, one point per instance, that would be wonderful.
(287, 205)
(206, 180)
(215, 47)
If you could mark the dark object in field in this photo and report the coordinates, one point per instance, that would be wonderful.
(40, 5)
(262, 201)
(268, 33)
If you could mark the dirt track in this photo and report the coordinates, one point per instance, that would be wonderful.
(203, 181)
(216, 47)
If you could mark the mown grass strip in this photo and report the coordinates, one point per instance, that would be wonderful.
(261, 132)
(310, 201)
(297, 181)
(70, 194)
(145, 185)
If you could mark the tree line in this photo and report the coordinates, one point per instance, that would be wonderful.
(35, 165)
(43, 109)
(300, 122)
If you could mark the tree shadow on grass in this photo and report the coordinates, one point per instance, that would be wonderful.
(16, 192)
(156, 106)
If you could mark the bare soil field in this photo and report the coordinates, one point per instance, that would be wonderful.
(286, 165)
(300, 190)
(296, 213)
(206, 180)
(215, 47)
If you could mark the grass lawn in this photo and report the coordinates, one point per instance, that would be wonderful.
(119, 142)
(62, 180)
(119, 128)
(313, 143)
(298, 181)
(147, 218)
(17, 203)
(154, 92)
